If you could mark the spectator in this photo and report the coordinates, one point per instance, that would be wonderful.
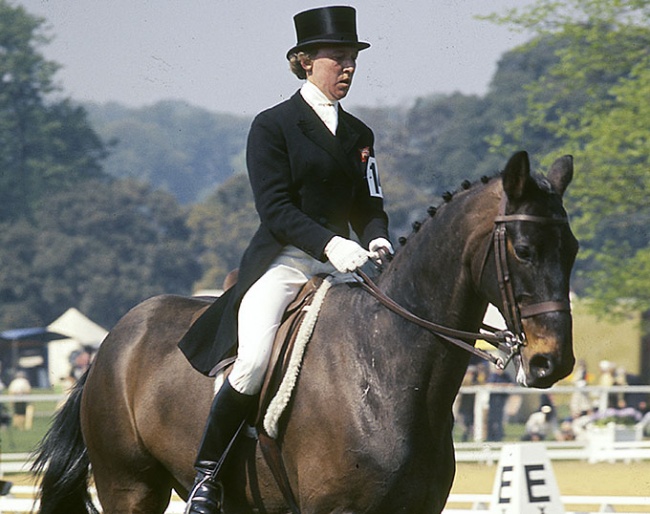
(580, 401)
(23, 412)
(620, 379)
(80, 362)
(635, 399)
(541, 425)
(496, 406)
(580, 424)
(607, 380)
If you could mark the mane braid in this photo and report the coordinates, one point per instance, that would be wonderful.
(448, 196)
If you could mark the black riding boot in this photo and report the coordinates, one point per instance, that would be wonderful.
(229, 410)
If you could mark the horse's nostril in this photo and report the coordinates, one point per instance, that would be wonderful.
(541, 365)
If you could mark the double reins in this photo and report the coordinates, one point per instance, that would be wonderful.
(498, 339)
(510, 341)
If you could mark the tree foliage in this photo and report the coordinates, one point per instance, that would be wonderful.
(184, 150)
(43, 145)
(69, 235)
(222, 227)
(445, 139)
(76, 229)
(596, 102)
(102, 246)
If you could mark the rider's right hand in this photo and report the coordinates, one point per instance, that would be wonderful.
(346, 255)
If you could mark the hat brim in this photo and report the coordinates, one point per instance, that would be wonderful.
(359, 45)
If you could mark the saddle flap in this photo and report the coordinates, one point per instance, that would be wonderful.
(284, 342)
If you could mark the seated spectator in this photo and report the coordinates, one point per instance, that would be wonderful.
(22, 418)
(580, 423)
(541, 425)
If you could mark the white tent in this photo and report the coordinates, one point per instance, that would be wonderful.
(80, 331)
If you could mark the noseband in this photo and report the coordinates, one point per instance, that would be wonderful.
(508, 341)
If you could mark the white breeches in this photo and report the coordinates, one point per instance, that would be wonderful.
(260, 313)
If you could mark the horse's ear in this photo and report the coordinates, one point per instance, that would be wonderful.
(516, 176)
(561, 174)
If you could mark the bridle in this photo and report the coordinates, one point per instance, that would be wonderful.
(513, 311)
(509, 342)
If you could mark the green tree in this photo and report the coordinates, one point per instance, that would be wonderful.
(445, 139)
(222, 226)
(70, 235)
(595, 100)
(101, 246)
(43, 146)
(184, 150)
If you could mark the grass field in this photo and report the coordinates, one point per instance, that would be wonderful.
(574, 479)
(596, 339)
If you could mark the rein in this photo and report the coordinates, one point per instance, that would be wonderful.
(502, 340)
(508, 341)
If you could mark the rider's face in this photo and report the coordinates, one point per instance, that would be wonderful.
(331, 70)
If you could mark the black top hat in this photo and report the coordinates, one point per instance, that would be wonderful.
(327, 25)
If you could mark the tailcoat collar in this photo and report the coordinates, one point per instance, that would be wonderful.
(338, 146)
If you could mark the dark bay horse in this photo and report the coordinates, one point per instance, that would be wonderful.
(369, 428)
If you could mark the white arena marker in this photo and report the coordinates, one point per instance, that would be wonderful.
(525, 482)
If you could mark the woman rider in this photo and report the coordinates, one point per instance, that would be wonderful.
(314, 175)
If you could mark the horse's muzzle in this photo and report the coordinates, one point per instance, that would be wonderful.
(548, 355)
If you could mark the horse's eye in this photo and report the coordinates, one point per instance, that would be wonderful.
(523, 252)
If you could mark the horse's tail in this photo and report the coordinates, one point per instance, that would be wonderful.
(62, 461)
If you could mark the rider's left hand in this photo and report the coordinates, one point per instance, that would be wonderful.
(381, 251)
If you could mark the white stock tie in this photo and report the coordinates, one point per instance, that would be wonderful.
(329, 116)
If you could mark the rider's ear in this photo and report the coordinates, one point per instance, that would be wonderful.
(516, 175)
(561, 174)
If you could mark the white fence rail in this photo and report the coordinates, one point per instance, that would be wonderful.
(624, 451)
(487, 453)
(598, 396)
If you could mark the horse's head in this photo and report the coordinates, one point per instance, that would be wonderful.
(534, 250)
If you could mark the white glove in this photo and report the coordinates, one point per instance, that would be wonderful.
(380, 249)
(346, 255)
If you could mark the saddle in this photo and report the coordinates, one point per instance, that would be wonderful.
(283, 346)
(280, 362)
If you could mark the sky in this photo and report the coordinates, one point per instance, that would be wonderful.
(229, 55)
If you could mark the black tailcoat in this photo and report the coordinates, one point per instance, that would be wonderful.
(308, 186)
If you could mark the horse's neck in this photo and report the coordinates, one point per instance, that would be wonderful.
(432, 276)
(432, 273)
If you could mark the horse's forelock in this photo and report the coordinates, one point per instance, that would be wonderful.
(543, 183)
